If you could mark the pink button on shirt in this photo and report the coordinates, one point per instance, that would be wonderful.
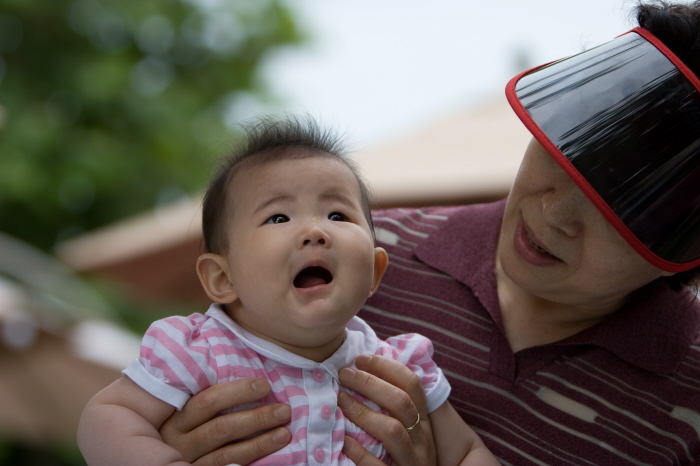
(318, 375)
(326, 411)
(319, 454)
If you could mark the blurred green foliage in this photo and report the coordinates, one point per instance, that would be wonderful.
(109, 108)
(15, 454)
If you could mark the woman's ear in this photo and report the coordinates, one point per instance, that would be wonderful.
(212, 270)
(381, 262)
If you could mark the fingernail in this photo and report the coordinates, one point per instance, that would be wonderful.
(346, 375)
(280, 436)
(260, 386)
(282, 413)
(344, 400)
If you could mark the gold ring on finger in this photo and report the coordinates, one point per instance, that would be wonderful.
(409, 429)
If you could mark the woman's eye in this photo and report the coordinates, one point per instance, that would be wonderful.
(337, 217)
(278, 218)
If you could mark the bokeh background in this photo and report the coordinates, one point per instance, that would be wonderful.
(112, 114)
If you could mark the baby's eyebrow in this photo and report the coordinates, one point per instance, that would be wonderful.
(339, 197)
(273, 200)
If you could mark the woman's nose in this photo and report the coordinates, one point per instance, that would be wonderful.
(563, 207)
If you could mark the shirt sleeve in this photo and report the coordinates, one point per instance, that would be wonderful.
(176, 361)
(416, 352)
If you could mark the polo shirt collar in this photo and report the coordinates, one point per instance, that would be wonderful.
(359, 339)
(653, 331)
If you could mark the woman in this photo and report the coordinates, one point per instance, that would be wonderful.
(562, 316)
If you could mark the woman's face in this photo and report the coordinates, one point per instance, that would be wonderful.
(556, 245)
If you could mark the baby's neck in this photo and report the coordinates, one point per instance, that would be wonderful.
(317, 351)
(316, 354)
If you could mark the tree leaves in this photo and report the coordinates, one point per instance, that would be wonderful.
(109, 107)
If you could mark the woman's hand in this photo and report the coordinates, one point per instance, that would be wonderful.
(394, 387)
(202, 438)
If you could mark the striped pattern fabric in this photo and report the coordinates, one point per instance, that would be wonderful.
(181, 356)
(624, 392)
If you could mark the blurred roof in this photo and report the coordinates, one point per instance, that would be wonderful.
(45, 387)
(471, 156)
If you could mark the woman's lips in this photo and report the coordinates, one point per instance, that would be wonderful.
(527, 246)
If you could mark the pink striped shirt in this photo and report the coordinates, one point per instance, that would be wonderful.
(181, 356)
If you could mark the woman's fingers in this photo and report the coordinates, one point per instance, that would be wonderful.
(196, 431)
(357, 453)
(207, 403)
(247, 451)
(394, 387)
(390, 384)
(397, 374)
(396, 401)
(388, 430)
(235, 426)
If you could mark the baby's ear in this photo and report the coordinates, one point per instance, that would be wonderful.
(212, 270)
(381, 262)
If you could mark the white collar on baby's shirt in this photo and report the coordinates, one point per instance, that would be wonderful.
(359, 339)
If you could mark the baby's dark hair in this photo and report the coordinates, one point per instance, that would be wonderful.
(677, 25)
(270, 139)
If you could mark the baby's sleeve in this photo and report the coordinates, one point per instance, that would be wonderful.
(176, 361)
(416, 352)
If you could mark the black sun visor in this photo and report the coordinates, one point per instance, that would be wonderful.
(623, 120)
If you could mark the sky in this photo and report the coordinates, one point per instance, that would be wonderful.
(379, 69)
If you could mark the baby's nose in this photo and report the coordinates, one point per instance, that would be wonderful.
(315, 236)
(317, 240)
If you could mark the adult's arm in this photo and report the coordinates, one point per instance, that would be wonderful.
(203, 438)
(394, 387)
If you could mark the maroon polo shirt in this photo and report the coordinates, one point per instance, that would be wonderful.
(626, 391)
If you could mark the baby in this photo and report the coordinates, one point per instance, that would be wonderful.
(290, 260)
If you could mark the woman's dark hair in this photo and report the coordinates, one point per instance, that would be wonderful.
(677, 25)
(269, 139)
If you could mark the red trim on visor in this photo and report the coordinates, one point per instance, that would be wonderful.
(579, 179)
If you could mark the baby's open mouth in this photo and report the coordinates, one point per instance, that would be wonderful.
(312, 276)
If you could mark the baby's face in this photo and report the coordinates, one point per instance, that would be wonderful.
(301, 254)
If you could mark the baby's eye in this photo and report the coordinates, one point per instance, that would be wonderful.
(277, 218)
(337, 217)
